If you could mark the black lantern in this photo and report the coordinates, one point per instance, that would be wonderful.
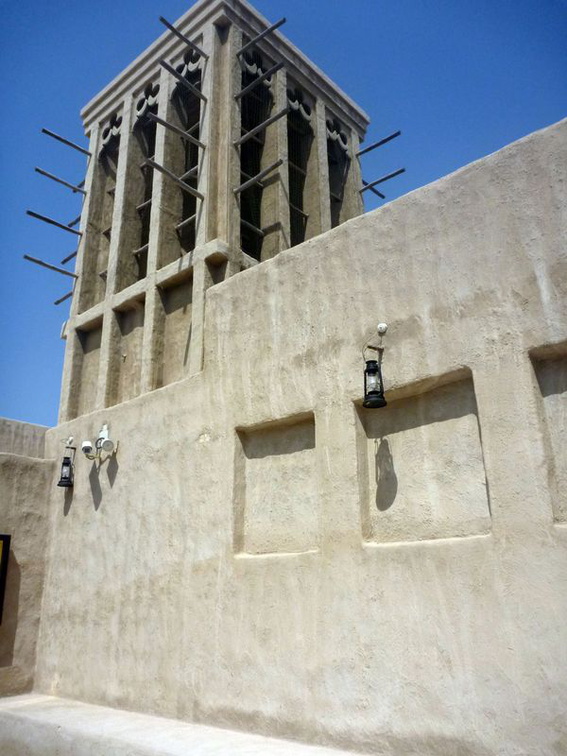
(66, 479)
(373, 385)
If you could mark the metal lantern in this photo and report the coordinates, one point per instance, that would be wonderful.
(373, 385)
(66, 479)
(373, 381)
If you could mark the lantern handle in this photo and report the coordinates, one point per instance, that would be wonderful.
(379, 349)
(381, 329)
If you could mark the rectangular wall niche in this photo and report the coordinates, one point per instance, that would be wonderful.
(172, 350)
(85, 370)
(127, 335)
(421, 468)
(551, 374)
(276, 501)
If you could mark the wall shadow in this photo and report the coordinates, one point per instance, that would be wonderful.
(96, 490)
(448, 402)
(278, 438)
(9, 624)
(112, 469)
(187, 345)
(67, 501)
(387, 480)
(176, 325)
(551, 376)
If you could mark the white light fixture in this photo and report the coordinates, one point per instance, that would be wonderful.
(102, 444)
(87, 449)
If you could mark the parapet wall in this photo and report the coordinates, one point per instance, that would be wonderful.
(262, 553)
(24, 439)
(25, 481)
(25, 484)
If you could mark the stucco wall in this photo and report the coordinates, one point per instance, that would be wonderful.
(262, 553)
(25, 485)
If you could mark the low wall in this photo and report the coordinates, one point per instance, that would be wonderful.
(37, 725)
(22, 438)
(263, 553)
(25, 485)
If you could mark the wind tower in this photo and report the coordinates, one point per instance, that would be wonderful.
(217, 148)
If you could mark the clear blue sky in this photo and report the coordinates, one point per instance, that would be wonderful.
(460, 78)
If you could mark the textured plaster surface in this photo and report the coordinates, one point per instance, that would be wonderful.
(25, 484)
(447, 636)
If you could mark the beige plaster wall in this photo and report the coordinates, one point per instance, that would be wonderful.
(25, 486)
(264, 554)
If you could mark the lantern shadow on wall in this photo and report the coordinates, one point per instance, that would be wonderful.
(386, 478)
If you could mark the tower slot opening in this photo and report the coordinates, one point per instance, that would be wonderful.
(299, 141)
(339, 164)
(256, 107)
(187, 114)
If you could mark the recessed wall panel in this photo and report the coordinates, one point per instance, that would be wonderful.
(175, 331)
(128, 332)
(86, 364)
(421, 468)
(552, 380)
(276, 491)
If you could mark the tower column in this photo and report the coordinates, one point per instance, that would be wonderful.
(160, 221)
(116, 250)
(223, 217)
(353, 203)
(320, 128)
(73, 348)
(275, 199)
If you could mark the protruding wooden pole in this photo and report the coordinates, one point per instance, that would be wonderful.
(44, 264)
(260, 36)
(253, 84)
(262, 126)
(60, 181)
(52, 222)
(182, 37)
(378, 144)
(173, 177)
(182, 80)
(380, 180)
(66, 141)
